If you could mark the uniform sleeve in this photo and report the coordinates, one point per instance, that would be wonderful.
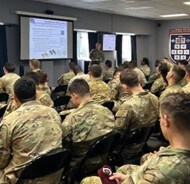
(5, 144)
(123, 117)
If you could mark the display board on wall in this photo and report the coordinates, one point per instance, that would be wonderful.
(179, 44)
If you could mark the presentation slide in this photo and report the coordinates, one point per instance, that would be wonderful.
(109, 41)
(48, 38)
(45, 38)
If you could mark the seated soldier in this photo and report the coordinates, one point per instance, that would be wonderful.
(168, 165)
(174, 76)
(28, 132)
(43, 78)
(141, 109)
(41, 95)
(160, 84)
(9, 79)
(133, 66)
(182, 64)
(99, 90)
(88, 122)
(34, 65)
(145, 68)
(66, 77)
(107, 72)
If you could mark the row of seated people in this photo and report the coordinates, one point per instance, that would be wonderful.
(34, 129)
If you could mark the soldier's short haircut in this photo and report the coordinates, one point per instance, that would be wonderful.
(177, 106)
(108, 63)
(25, 89)
(10, 67)
(79, 86)
(35, 63)
(132, 64)
(77, 69)
(34, 76)
(42, 77)
(179, 73)
(187, 68)
(146, 61)
(71, 65)
(96, 71)
(183, 62)
(129, 77)
(163, 68)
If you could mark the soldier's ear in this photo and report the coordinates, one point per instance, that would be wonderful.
(166, 120)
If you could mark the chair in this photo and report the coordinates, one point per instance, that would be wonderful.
(102, 147)
(59, 91)
(61, 103)
(132, 140)
(109, 105)
(4, 97)
(2, 111)
(46, 164)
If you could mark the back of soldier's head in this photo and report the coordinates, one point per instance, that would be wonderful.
(35, 63)
(9, 67)
(177, 106)
(163, 69)
(108, 63)
(183, 62)
(129, 78)
(42, 77)
(71, 65)
(126, 64)
(132, 64)
(25, 89)
(178, 73)
(145, 61)
(157, 62)
(34, 76)
(96, 71)
(80, 87)
(77, 69)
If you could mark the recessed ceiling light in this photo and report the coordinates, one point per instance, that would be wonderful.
(174, 15)
(187, 2)
(138, 8)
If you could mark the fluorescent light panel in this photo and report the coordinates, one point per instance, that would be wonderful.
(186, 3)
(174, 15)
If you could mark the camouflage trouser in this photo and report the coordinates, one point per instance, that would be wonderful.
(125, 169)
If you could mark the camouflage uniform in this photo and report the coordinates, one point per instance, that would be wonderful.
(168, 165)
(152, 78)
(183, 82)
(45, 88)
(1, 85)
(141, 75)
(65, 78)
(97, 55)
(28, 132)
(99, 90)
(81, 75)
(42, 96)
(145, 69)
(117, 91)
(84, 125)
(107, 74)
(186, 88)
(158, 85)
(9, 80)
(175, 88)
(138, 111)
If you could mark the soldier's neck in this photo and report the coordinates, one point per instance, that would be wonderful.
(136, 90)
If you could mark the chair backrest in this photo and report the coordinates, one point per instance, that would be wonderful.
(136, 137)
(2, 111)
(46, 164)
(59, 91)
(102, 147)
(109, 105)
(4, 97)
(60, 101)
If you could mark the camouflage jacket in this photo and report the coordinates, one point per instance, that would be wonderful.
(186, 88)
(97, 55)
(158, 85)
(28, 132)
(141, 75)
(65, 78)
(145, 69)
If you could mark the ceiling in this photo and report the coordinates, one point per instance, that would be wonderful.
(149, 9)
